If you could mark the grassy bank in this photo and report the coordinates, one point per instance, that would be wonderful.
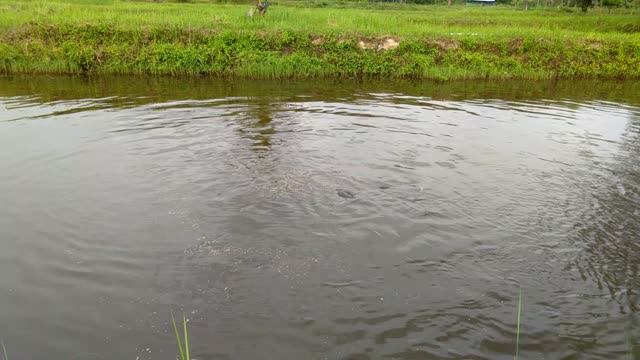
(122, 37)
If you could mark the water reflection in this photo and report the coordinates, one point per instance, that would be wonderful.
(123, 92)
(257, 124)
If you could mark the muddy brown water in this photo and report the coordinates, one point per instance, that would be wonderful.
(319, 219)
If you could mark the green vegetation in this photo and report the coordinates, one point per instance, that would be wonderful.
(183, 352)
(309, 39)
(613, 3)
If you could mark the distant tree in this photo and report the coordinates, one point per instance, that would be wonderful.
(585, 4)
(610, 4)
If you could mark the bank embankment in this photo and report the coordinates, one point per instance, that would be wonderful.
(96, 49)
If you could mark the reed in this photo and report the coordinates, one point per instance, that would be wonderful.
(182, 351)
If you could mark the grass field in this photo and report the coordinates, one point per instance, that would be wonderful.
(304, 39)
(404, 20)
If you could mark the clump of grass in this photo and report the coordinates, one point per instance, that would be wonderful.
(183, 351)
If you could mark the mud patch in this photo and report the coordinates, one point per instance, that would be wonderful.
(594, 45)
(385, 43)
(446, 44)
(515, 45)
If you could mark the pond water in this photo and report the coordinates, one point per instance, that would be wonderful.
(319, 219)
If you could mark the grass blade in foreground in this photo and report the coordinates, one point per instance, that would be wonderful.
(186, 337)
(518, 330)
(175, 329)
(4, 351)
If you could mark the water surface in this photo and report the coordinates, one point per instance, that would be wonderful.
(319, 220)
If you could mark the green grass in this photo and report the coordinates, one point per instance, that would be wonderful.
(408, 21)
(182, 351)
(298, 40)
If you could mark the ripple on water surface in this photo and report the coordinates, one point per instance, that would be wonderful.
(324, 220)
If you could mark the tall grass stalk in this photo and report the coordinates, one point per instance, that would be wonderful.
(4, 351)
(184, 352)
(518, 330)
(186, 338)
